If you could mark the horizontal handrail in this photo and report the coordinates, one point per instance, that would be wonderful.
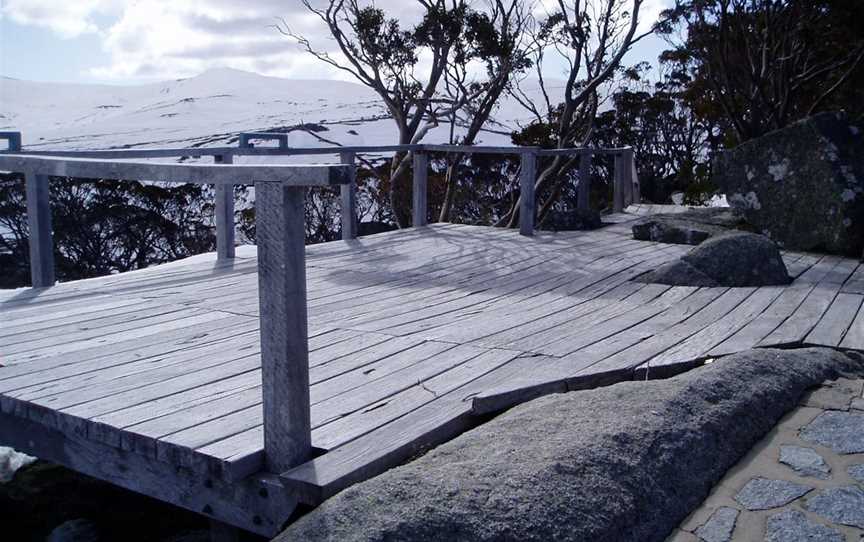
(197, 152)
(234, 174)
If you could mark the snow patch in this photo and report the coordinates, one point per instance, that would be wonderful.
(10, 462)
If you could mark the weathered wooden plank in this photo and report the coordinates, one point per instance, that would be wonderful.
(91, 168)
(420, 188)
(348, 198)
(238, 503)
(281, 235)
(854, 338)
(527, 205)
(358, 460)
(100, 342)
(701, 342)
(836, 320)
(223, 213)
(41, 240)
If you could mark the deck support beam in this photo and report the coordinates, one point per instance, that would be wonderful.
(527, 205)
(618, 184)
(632, 181)
(280, 233)
(421, 182)
(40, 235)
(584, 188)
(260, 503)
(348, 193)
(224, 214)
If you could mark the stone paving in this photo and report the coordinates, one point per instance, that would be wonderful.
(803, 482)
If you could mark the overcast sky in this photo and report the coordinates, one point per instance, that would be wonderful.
(133, 41)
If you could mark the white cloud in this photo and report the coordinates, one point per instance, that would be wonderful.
(163, 39)
(155, 39)
(69, 18)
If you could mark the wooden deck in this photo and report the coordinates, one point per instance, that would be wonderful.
(412, 335)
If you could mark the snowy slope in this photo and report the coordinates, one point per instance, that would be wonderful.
(206, 110)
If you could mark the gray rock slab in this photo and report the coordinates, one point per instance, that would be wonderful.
(812, 170)
(857, 404)
(728, 259)
(835, 395)
(843, 432)
(719, 526)
(856, 472)
(793, 526)
(674, 230)
(804, 461)
(764, 494)
(844, 505)
(623, 462)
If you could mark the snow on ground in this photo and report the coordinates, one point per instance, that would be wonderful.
(208, 110)
(10, 462)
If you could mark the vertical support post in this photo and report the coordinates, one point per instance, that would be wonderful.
(349, 199)
(224, 214)
(584, 190)
(283, 141)
(280, 236)
(633, 179)
(421, 178)
(527, 206)
(618, 184)
(39, 223)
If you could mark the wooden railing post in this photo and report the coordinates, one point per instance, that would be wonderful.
(280, 234)
(618, 184)
(40, 236)
(527, 207)
(421, 177)
(632, 180)
(349, 199)
(584, 189)
(224, 213)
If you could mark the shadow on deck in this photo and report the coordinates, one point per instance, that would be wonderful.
(152, 380)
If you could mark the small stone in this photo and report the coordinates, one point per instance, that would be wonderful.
(793, 526)
(719, 526)
(762, 494)
(857, 472)
(804, 461)
(843, 432)
(857, 404)
(844, 505)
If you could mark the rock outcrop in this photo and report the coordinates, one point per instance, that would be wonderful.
(625, 462)
(577, 219)
(730, 259)
(688, 228)
(803, 186)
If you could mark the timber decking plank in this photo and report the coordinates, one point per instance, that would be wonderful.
(836, 320)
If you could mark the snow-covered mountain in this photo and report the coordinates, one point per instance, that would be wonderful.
(207, 110)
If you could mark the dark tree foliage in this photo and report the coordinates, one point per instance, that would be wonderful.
(758, 65)
(103, 227)
(672, 144)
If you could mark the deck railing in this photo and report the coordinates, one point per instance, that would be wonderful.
(280, 229)
(281, 233)
(625, 184)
